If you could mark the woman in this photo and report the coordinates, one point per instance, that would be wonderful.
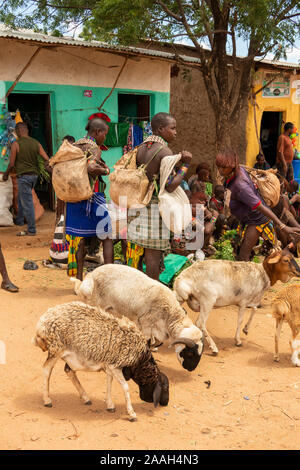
(89, 218)
(247, 205)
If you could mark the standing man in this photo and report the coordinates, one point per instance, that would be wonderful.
(285, 153)
(24, 157)
(151, 236)
(89, 218)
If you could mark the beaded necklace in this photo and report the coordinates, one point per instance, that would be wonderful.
(91, 138)
(154, 139)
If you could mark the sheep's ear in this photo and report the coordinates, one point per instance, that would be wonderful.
(127, 373)
(156, 394)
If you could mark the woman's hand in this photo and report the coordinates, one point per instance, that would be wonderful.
(186, 157)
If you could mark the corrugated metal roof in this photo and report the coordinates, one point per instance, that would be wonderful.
(279, 63)
(27, 35)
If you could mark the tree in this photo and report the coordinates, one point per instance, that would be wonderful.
(214, 27)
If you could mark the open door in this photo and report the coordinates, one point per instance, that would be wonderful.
(270, 130)
(35, 110)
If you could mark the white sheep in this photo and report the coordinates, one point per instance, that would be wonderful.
(86, 338)
(126, 291)
(219, 283)
(286, 308)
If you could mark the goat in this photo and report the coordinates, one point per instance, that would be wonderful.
(86, 338)
(218, 283)
(123, 290)
(285, 307)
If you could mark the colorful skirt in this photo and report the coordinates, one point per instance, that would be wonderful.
(266, 230)
(89, 218)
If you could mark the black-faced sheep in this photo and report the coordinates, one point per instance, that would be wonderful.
(86, 338)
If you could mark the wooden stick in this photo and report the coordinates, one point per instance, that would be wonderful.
(115, 84)
(22, 72)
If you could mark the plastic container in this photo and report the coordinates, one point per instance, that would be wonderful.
(296, 167)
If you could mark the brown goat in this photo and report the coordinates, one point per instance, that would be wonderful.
(286, 307)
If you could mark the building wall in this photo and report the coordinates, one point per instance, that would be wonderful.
(81, 66)
(196, 121)
(289, 106)
(65, 77)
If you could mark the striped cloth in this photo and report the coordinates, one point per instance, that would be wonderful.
(59, 251)
(146, 228)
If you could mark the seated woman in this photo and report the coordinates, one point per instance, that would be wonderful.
(255, 217)
(261, 163)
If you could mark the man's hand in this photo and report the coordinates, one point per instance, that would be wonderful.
(5, 177)
(186, 157)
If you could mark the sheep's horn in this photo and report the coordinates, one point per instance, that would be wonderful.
(187, 341)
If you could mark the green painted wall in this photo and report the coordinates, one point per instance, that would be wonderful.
(70, 109)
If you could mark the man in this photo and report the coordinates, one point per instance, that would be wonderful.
(261, 163)
(285, 153)
(24, 157)
(153, 236)
(88, 219)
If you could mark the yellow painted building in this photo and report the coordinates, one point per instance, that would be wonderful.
(276, 104)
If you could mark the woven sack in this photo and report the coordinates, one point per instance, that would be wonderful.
(174, 207)
(129, 184)
(70, 176)
(267, 183)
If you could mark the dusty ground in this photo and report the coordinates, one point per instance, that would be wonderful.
(252, 403)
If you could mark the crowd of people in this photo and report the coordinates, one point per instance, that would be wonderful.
(86, 220)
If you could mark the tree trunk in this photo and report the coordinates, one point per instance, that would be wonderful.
(223, 138)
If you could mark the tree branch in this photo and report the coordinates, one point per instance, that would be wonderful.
(66, 7)
(167, 10)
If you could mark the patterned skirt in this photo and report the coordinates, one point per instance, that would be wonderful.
(266, 230)
(146, 228)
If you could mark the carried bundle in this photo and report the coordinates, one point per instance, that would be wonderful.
(174, 207)
(267, 183)
(129, 184)
(70, 176)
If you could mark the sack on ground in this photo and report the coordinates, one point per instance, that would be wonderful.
(267, 183)
(174, 207)
(6, 199)
(129, 184)
(70, 176)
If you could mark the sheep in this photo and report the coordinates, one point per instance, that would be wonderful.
(86, 338)
(219, 283)
(285, 307)
(153, 306)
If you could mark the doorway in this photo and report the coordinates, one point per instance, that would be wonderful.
(270, 130)
(35, 110)
(133, 108)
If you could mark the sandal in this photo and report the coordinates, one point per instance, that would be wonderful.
(9, 286)
(23, 234)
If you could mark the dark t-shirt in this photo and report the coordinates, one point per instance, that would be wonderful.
(27, 157)
(245, 199)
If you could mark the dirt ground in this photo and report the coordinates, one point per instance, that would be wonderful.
(252, 402)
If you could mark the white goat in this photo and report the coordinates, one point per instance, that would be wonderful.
(127, 291)
(87, 339)
(219, 283)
